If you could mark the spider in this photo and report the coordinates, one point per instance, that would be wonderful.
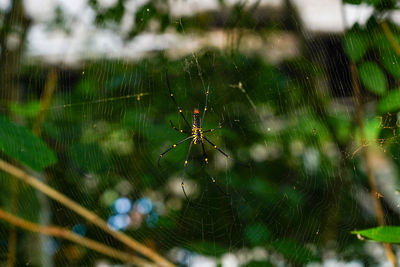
(196, 135)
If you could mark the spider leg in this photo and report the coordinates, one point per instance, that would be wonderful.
(173, 99)
(209, 170)
(172, 147)
(213, 129)
(176, 129)
(215, 147)
(184, 171)
(205, 106)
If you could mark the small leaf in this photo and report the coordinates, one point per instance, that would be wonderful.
(28, 203)
(21, 144)
(86, 87)
(381, 43)
(204, 248)
(390, 102)
(372, 128)
(294, 251)
(27, 199)
(373, 77)
(391, 61)
(89, 157)
(28, 110)
(257, 234)
(355, 44)
(387, 234)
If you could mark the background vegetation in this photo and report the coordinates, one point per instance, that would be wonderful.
(312, 132)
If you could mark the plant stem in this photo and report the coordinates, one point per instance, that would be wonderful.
(12, 237)
(67, 234)
(367, 158)
(45, 100)
(89, 215)
(45, 210)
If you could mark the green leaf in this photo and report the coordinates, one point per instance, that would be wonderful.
(372, 128)
(391, 62)
(343, 126)
(86, 87)
(28, 203)
(390, 102)
(22, 145)
(373, 77)
(89, 157)
(355, 44)
(381, 43)
(28, 110)
(387, 234)
(294, 251)
(208, 248)
(257, 234)
(26, 199)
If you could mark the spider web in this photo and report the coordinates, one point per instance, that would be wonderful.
(290, 199)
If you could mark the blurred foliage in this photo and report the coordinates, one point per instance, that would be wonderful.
(22, 145)
(296, 175)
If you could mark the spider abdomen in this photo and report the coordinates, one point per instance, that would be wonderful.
(197, 134)
(197, 131)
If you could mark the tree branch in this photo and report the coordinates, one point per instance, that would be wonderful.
(88, 215)
(71, 236)
(367, 158)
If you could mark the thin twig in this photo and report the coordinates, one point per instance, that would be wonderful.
(88, 215)
(12, 237)
(45, 100)
(241, 88)
(389, 35)
(71, 236)
(367, 158)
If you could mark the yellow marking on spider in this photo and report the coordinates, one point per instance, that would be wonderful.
(181, 131)
(180, 111)
(205, 109)
(212, 130)
(174, 145)
(215, 146)
(186, 162)
(206, 159)
(172, 94)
